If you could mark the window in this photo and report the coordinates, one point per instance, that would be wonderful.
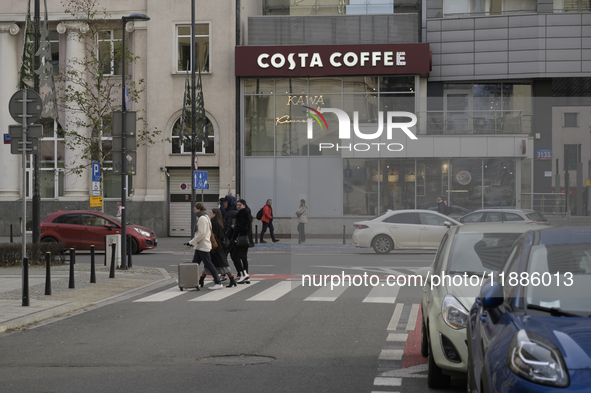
(474, 217)
(181, 148)
(202, 44)
(571, 5)
(513, 217)
(54, 42)
(572, 156)
(92, 220)
(431, 219)
(51, 162)
(402, 218)
(570, 119)
(109, 51)
(67, 219)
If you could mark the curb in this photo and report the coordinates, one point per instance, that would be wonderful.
(69, 307)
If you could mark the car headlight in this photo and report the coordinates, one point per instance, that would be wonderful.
(454, 313)
(142, 232)
(536, 359)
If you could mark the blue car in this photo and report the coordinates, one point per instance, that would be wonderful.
(530, 328)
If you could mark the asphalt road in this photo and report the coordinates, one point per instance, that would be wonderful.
(273, 335)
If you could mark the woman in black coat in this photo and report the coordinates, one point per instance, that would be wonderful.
(242, 226)
(220, 257)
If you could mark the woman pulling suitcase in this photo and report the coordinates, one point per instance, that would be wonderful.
(219, 258)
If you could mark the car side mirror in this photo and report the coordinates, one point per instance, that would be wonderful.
(424, 272)
(108, 226)
(447, 224)
(491, 295)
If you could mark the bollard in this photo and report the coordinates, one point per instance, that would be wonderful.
(344, 241)
(256, 233)
(129, 253)
(25, 282)
(113, 261)
(47, 273)
(11, 233)
(72, 284)
(92, 272)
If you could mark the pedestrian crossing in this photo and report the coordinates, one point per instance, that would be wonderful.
(273, 290)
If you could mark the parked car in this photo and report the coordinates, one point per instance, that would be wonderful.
(398, 229)
(533, 335)
(81, 229)
(466, 251)
(504, 215)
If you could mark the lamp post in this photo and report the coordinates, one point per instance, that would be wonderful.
(123, 245)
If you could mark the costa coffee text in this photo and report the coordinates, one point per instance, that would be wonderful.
(336, 59)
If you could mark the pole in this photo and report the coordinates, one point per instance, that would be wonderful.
(92, 266)
(193, 98)
(24, 195)
(36, 193)
(123, 151)
(47, 273)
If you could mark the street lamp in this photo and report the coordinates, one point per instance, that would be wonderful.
(123, 245)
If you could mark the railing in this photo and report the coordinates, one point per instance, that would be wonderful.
(339, 7)
(474, 122)
(544, 202)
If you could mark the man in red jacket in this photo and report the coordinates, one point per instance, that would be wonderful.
(267, 220)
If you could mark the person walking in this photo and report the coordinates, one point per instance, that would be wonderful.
(119, 210)
(231, 211)
(239, 254)
(441, 207)
(302, 214)
(220, 257)
(267, 220)
(202, 244)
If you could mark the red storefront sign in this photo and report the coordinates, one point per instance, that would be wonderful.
(324, 60)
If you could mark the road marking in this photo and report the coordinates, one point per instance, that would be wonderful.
(275, 292)
(393, 325)
(325, 294)
(391, 354)
(397, 337)
(381, 381)
(412, 319)
(382, 294)
(409, 372)
(162, 296)
(214, 296)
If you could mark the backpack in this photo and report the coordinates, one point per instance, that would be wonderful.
(260, 213)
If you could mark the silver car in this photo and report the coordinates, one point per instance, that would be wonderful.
(523, 216)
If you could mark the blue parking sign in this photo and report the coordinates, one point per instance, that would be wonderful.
(200, 180)
(96, 171)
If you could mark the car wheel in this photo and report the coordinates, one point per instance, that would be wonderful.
(435, 377)
(49, 240)
(382, 244)
(424, 340)
(134, 246)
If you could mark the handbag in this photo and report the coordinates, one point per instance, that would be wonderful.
(242, 241)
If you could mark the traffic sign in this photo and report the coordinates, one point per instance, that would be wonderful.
(200, 180)
(16, 145)
(6, 139)
(33, 131)
(130, 163)
(33, 106)
(96, 172)
(96, 201)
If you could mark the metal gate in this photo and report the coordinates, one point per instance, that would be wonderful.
(180, 208)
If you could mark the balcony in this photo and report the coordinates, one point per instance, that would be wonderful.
(474, 122)
(339, 7)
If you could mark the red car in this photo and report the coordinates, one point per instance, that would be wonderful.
(82, 228)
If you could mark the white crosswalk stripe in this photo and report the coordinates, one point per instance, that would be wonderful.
(275, 292)
(214, 296)
(162, 296)
(272, 291)
(382, 294)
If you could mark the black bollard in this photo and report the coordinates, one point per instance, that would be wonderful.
(129, 252)
(344, 241)
(113, 261)
(256, 233)
(25, 282)
(106, 249)
(11, 233)
(47, 273)
(92, 272)
(72, 284)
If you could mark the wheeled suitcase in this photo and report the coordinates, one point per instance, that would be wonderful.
(188, 275)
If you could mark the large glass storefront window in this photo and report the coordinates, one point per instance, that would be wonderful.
(466, 184)
(360, 187)
(276, 111)
(499, 183)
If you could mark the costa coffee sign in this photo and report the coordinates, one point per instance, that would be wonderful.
(323, 60)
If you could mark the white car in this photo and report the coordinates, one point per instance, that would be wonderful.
(504, 215)
(398, 229)
(466, 251)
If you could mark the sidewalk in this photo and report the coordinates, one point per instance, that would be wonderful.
(13, 315)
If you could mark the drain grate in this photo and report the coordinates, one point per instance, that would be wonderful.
(236, 360)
